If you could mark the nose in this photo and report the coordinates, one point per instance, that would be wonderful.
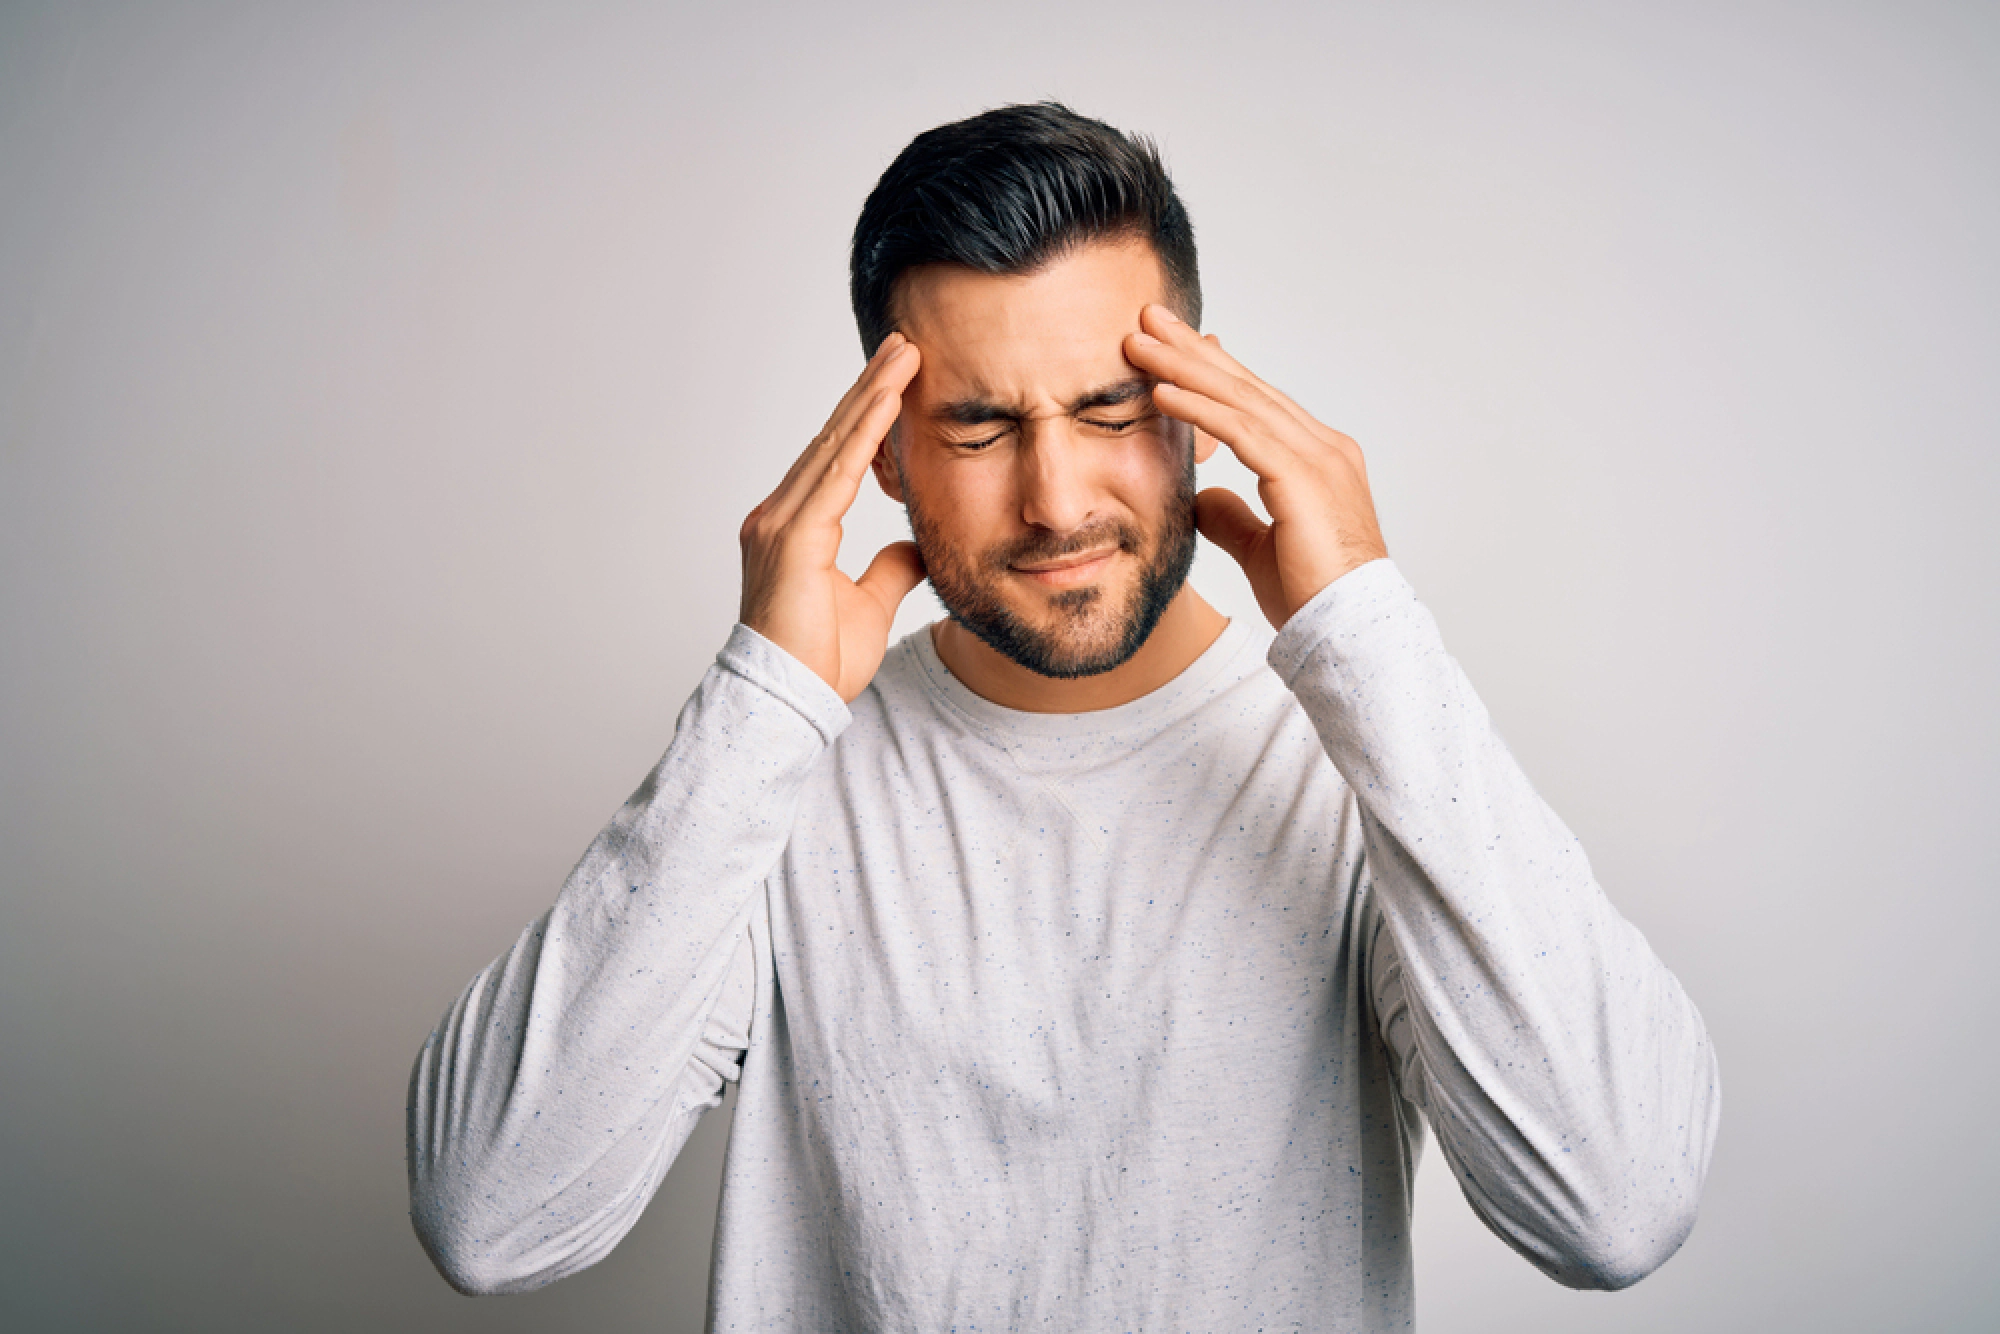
(1058, 491)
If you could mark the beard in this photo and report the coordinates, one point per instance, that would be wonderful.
(1088, 636)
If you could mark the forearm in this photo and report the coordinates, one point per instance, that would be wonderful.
(1567, 1076)
(551, 1099)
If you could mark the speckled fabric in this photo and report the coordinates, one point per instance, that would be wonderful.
(1125, 1020)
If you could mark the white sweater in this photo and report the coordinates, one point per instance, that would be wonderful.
(1106, 1021)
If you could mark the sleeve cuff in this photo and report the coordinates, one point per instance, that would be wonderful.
(776, 672)
(1364, 596)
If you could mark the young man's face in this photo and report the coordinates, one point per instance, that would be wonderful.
(1053, 506)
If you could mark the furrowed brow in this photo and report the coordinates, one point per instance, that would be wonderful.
(1114, 395)
(976, 411)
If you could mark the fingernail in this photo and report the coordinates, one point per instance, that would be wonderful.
(1144, 339)
(1171, 318)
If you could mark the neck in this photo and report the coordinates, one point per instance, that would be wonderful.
(1186, 630)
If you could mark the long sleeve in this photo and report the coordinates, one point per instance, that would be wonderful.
(1567, 1077)
(548, 1105)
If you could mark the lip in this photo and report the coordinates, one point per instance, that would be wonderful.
(1070, 570)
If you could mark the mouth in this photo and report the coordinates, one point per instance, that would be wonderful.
(1068, 571)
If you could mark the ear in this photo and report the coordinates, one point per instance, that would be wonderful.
(886, 475)
(1204, 445)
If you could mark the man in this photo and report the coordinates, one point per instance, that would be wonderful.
(1086, 961)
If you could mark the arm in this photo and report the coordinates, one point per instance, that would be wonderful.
(548, 1105)
(1568, 1078)
(555, 1094)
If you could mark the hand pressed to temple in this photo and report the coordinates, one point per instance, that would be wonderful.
(793, 593)
(1311, 478)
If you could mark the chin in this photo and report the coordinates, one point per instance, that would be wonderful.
(1077, 633)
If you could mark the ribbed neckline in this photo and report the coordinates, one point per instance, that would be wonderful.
(1133, 721)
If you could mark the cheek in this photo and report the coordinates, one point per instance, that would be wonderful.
(1148, 466)
(1177, 440)
(964, 498)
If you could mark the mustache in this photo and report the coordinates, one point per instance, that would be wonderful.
(1033, 548)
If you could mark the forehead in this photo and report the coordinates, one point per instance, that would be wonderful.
(1034, 340)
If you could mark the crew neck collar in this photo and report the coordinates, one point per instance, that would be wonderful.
(1132, 720)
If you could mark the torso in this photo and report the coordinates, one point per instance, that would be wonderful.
(1070, 1001)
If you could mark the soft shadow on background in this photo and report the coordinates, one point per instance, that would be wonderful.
(381, 389)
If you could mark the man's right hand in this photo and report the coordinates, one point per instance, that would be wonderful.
(793, 594)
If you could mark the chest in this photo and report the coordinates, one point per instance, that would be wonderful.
(951, 923)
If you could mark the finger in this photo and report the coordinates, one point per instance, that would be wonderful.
(1192, 368)
(891, 365)
(896, 569)
(1226, 519)
(833, 492)
(1221, 356)
(861, 439)
(1163, 324)
(885, 351)
(858, 428)
(838, 418)
(1250, 439)
(837, 421)
(1245, 399)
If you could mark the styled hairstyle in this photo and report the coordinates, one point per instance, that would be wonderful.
(1008, 191)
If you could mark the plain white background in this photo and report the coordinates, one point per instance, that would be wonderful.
(381, 389)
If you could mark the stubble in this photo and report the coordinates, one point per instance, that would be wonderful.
(1082, 636)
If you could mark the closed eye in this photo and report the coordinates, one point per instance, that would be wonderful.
(1117, 426)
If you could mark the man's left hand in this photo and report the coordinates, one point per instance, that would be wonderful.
(1310, 477)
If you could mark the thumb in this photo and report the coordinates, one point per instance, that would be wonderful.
(1226, 519)
(896, 569)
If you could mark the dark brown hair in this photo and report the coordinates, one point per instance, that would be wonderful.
(1010, 190)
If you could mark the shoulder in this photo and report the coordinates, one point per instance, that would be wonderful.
(902, 712)
(902, 692)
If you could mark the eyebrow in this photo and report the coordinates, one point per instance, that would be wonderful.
(976, 411)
